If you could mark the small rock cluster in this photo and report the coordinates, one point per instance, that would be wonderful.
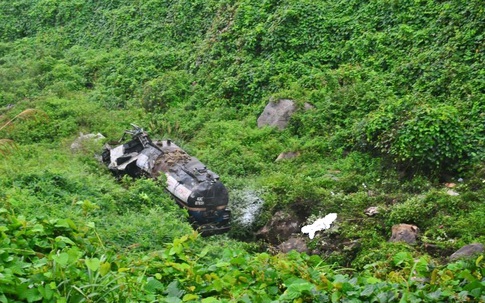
(284, 229)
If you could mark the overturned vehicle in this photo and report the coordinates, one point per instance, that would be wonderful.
(192, 185)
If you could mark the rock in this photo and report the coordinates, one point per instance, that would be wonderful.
(82, 139)
(287, 155)
(404, 233)
(372, 211)
(336, 245)
(277, 113)
(293, 243)
(432, 249)
(452, 193)
(467, 251)
(280, 228)
(308, 106)
(351, 246)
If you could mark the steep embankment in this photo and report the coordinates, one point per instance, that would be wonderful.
(398, 94)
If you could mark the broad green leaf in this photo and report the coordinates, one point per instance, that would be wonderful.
(46, 292)
(238, 261)
(336, 297)
(92, 263)
(222, 264)
(368, 290)
(174, 291)
(67, 223)
(295, 288)
(422, 266)
(104, 268)
(218, 285)
(402, 258)
(38, 228)
(479, 259)
(190, 297)
(74, 254)
(31, 295)
(474, 285)
(123, 269)
(477, 292)
(210, 300)
(65, 240)
(61, 259)
(176, 249)
(467, 275)
(153, 285)
(204, 252)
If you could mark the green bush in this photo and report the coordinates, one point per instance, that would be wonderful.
(169, 90)
(415, 210)
(427, 138)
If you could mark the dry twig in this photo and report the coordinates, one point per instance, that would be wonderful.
(29, 113)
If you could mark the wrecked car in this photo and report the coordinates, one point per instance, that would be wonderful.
(192, 185)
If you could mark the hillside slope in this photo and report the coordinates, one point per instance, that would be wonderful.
(398, 96)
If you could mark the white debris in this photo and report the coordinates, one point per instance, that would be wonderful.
(83, 138)
(372, 211)
(319, 224)
(452, 193)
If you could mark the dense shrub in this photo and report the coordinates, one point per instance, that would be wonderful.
(165, 91)
(425, 138)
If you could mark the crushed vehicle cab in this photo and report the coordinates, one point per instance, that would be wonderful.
(193, 186)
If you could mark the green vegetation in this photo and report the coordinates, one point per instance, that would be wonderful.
(398, 89)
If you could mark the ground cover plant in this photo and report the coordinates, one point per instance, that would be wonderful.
(397, 90)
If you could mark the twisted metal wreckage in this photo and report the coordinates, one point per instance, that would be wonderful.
(192, 185)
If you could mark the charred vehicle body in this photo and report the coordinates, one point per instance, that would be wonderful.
(192, 185)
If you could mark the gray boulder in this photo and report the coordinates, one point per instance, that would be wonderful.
(280, 228)
(287, 155)
(83, 139)
(277, 113)
(404, 233)
(467, 251)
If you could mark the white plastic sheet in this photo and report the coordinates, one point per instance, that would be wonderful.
(319, 224)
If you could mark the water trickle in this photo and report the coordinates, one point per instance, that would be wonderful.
(245, 206)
